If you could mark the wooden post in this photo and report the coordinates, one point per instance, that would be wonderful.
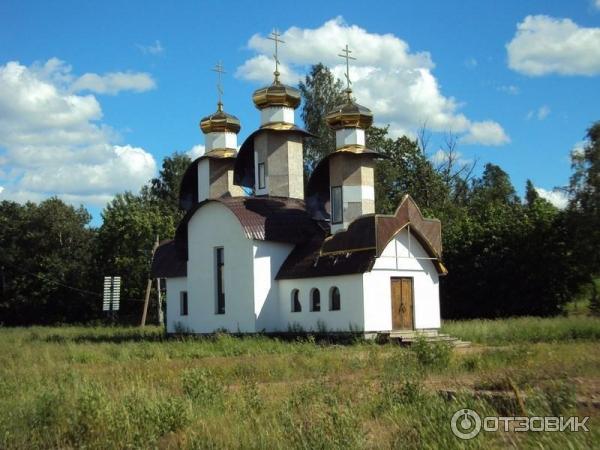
(149, 288)
(146, 300)
(159, 303)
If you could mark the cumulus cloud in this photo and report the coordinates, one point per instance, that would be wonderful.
(544, 45)
(540, 114)
(442, 157)
(54, 143)
(509, 89)
(485, 133)
(113, 83)
(557, 197)
(153, 49)
(471, 63)
(196, 151)
(397, 84)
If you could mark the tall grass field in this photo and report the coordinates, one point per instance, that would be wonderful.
(116, 387)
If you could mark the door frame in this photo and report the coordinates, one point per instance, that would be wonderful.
(412, 299)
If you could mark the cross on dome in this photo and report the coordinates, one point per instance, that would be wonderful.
(275, 35)
(346, 55)
(219, 69)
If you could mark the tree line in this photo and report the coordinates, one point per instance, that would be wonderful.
(506, 256)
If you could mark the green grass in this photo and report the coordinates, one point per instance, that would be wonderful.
(115, 387)
(525, 330)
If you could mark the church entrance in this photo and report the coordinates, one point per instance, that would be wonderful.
(402, 304)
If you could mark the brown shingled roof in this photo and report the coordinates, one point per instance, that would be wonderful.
(355, 249)
(169, 261)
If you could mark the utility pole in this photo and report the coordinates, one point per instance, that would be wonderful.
(149, 288)
(159, 303)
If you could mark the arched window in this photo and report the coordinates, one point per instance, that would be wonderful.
(315, 300)
(334, 299)
(296, 306)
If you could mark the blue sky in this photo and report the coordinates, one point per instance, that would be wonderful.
(94, 94)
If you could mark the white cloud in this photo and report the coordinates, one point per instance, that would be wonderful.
(543, 112)
(597, 4)
(441, 157)
(485, 133)
(196, 151)
(579, 148)
(54, 142)
(545, 45)
(557, 197)
(509, 89)
(471, 63)
(540, 114)
(153, 49)
(396, 84)
(113, 83)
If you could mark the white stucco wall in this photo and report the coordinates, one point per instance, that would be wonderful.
(214, 225)
(398, 261)
(350, 315)
(174, 317)
(349, 136)
(220, 140)
(268, 258)
(276, 114)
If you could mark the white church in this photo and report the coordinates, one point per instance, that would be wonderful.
(258, 250)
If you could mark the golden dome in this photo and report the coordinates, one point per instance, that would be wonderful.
(220, 121)
(277, 94)
(349, 115)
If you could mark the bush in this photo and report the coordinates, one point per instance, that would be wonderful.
(432, 354)
(202, 387)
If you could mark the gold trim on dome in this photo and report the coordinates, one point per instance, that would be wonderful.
(221, 153)
(349, 115)
(278, 126)
(220, 122)
(277, 94)
(353, 148)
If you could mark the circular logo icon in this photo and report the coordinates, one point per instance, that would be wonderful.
(466, 424)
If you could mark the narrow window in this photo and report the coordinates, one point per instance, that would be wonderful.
(261, 175)
(183, 303)
(315, 300)
(336, 205)
(296, 306)
(219, 272)
(334, 299)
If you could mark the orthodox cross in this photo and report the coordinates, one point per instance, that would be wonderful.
(275, 37)
(219, 69)
(346, 55)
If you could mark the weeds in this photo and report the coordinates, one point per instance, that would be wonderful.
(112, 387)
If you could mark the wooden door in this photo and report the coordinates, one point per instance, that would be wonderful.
(402, 304)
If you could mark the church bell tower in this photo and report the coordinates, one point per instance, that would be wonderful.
(278, 164)
(215, 167)
(351, 164)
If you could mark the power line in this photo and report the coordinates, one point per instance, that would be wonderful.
(43, 278)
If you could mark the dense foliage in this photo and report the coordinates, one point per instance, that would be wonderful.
(46, 263)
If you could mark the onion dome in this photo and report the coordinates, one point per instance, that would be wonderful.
(220, 122)
(277, 94)
(349, 115)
